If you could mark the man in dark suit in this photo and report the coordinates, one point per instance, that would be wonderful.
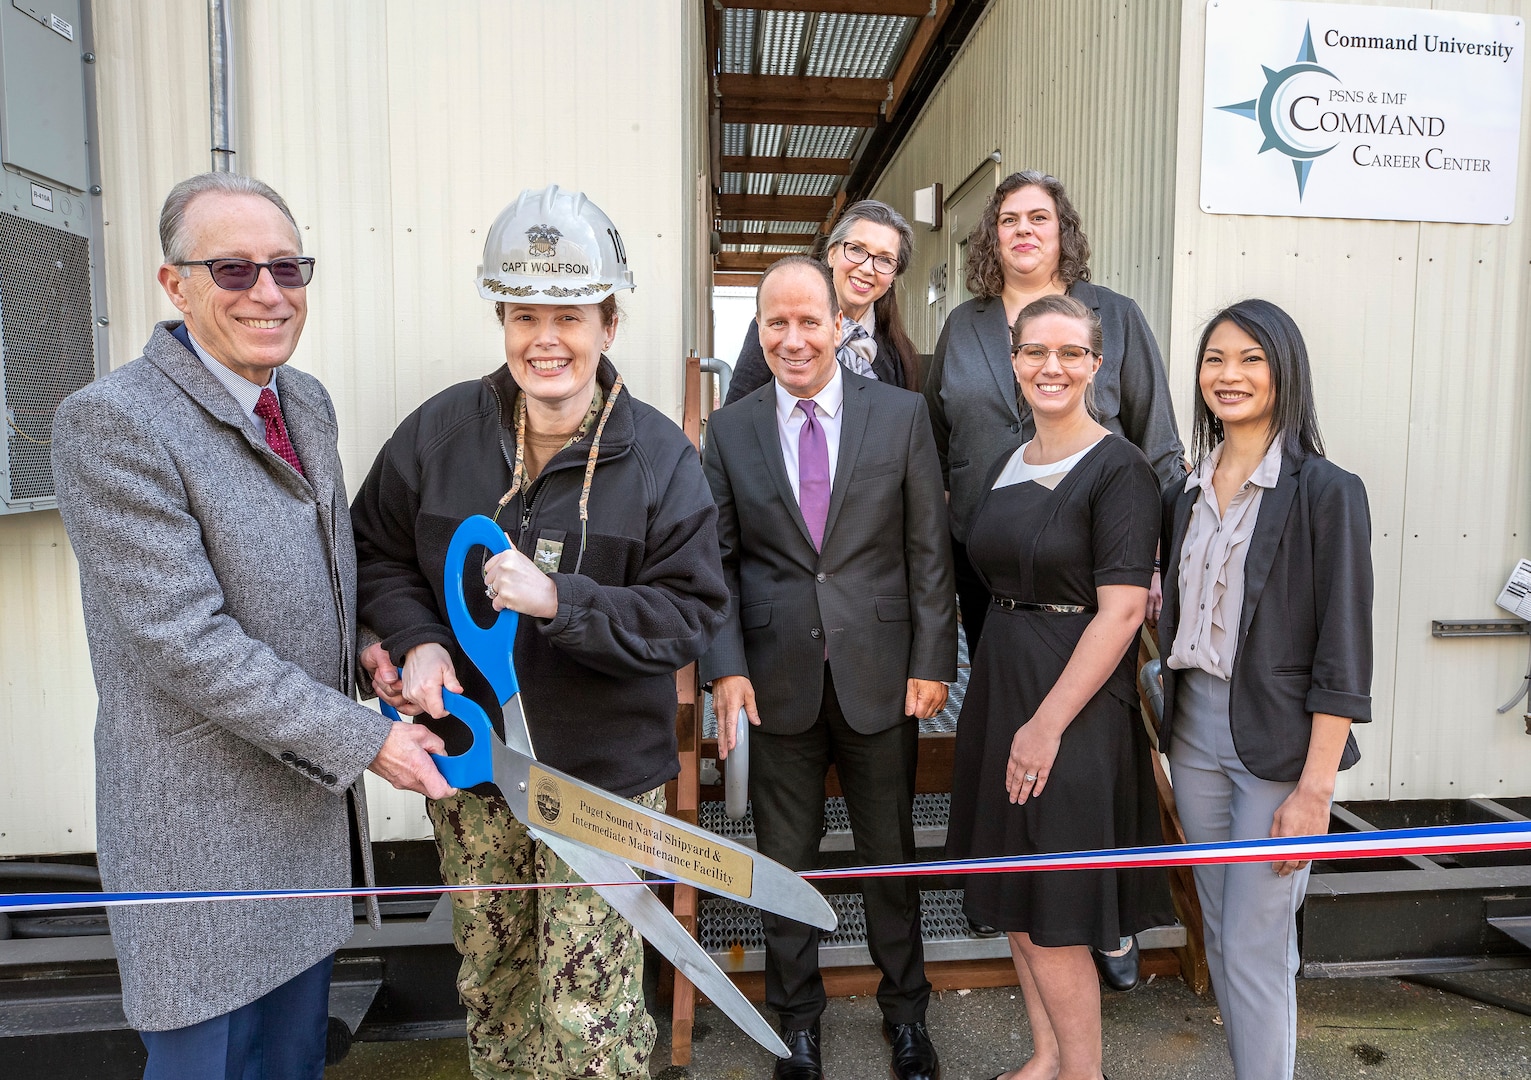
(841, 635)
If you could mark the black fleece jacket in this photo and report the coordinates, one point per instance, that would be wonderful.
(597, 680)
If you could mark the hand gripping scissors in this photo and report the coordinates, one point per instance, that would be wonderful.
(600, 836)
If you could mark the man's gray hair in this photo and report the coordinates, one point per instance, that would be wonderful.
(173, 238)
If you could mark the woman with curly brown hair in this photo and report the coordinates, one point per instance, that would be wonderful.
(1029, 244)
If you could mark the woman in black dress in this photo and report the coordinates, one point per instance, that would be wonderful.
(1049, 739)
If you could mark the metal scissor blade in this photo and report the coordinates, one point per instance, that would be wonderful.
(554, 803)
(660, 929)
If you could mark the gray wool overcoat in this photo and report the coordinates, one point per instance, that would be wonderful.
(219, 591)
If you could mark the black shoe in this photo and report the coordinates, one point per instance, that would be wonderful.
(914, 1058)
(1118, 972)
(984, 930)
(803, 1062)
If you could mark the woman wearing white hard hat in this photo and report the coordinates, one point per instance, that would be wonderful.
(867, 250)
(615, 570)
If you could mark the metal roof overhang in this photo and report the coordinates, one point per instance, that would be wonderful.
(808, 100)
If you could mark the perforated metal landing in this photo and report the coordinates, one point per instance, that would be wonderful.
(732, 934)
(930, 815)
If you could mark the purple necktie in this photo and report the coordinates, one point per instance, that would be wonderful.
(813, 473)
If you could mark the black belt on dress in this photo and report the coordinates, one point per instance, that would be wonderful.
(1052, 609)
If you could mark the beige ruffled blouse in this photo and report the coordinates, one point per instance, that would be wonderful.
(1212, 566)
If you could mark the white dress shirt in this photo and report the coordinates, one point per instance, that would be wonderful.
(245, 392)
(827, 405)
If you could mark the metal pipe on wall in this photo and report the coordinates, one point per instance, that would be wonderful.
(220, 63)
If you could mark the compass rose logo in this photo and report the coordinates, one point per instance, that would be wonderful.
(1272, 110)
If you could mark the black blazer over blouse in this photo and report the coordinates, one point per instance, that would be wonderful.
(1304, 642)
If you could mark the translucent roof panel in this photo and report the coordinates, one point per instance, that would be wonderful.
(734, 139)
(816, 141)
(781, 40)
(738, 41)
(787, 184)
(857, 46)
(766, 140)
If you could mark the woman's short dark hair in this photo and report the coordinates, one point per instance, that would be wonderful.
(1070, 308)
(986, 273)
(608, 306)
(1294, 418)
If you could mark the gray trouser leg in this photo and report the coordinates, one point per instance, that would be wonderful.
(1248, 912)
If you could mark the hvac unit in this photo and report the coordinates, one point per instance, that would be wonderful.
(49, 235)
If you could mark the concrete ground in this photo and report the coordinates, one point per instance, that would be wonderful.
(1367, 1029)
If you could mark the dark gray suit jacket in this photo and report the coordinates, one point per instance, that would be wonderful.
(880, 594)
(1305, 632)
(979, 416)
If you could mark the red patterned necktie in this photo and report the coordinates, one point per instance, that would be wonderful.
(276, 429)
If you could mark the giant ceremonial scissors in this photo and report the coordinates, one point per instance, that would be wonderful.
(600, 836)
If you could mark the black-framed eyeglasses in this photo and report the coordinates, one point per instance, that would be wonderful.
(1034, 354)
(855, 254)
(237, 275)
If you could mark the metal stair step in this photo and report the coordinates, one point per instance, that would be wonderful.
(930, 815)
(732, 935)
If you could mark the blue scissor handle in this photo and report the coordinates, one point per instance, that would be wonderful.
(490, 650)
(474, 765)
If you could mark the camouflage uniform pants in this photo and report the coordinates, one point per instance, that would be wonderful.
(552, 978)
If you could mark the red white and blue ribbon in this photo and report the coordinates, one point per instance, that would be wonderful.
(1380, 844)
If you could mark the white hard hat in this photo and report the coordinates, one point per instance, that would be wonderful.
(553, 247)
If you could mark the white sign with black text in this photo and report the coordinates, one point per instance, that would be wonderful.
(1348, 111)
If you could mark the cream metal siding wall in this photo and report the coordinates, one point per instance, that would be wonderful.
(1421, 351)
(396, 131)
(1083, 90)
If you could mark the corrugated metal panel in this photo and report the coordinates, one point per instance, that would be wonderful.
(1085, 91)
(760, 183)
(738, 40)
(733, 183)
(856, 46)
(814, 140)
(1421, 348)
(387, 128)
(781, 42)
(735, 139)
(806, 184)
(765, 139)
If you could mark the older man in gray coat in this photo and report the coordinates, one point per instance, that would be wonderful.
(202, 490)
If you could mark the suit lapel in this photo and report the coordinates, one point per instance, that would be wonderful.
(853, 426)
(994, 336)
(1275, 508)
(313, 435)
(766, 432)
(183, 367)
(1169, 579)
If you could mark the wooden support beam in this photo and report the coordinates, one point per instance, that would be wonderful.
(796, 166)
(793, 88)
(825, 114)
(814, 208)
(767, 238)
(914, 56)
(743, 280)
(909, 8)
(746, 260)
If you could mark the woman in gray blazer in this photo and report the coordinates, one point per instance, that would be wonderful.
(1028, 244)
(1267, 635)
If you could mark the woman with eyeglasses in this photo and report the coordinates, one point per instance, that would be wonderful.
(1267, 635)
(868, 248)
(1050, 746)
(1028, 244)
(615, 571)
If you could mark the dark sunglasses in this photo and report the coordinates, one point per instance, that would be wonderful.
(237, 275)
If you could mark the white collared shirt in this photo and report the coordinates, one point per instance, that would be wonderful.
(827, 405)
(244, 392)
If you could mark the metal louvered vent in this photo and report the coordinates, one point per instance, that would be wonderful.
(47, 350)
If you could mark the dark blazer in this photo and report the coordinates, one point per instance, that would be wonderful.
(979, 416)
(880, 594)
(751, 371)
(1305, 632)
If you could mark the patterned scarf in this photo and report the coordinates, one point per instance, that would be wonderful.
(857, 348)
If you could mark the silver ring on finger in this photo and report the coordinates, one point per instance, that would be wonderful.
(1031, 776)
(489, 591)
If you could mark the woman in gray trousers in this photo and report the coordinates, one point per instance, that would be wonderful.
(1267, 639)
